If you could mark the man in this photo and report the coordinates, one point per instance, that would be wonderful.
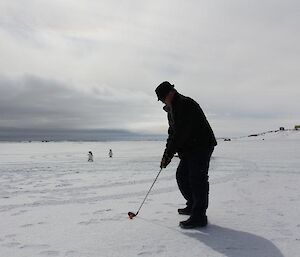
(191, 136)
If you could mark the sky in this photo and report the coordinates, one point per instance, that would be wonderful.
(90, 64)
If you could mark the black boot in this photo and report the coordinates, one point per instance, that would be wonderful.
(185, 211)
(194, 222)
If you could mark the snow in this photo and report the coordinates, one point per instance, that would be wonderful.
(53, 202)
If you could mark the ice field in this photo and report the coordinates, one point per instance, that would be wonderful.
(53, 202)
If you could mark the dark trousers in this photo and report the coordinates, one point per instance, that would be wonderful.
(192, 180)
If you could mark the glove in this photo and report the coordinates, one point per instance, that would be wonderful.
(165, 161)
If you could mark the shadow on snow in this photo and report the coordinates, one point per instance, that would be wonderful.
(233, 243)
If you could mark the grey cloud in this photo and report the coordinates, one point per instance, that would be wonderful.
(32, 102)
(239, 59)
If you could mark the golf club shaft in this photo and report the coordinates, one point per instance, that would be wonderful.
(149, 191)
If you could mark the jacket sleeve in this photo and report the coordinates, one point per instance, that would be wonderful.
(182, 128)
(170, 146)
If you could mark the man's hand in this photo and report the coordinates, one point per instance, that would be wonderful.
(165, 161)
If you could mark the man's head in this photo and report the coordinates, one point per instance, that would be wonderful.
(163, 90)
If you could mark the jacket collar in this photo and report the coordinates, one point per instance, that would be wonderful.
(167, 108)
(174, 100)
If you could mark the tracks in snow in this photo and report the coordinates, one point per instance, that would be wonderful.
(222, 170)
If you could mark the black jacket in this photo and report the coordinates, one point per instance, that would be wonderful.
(188, 127)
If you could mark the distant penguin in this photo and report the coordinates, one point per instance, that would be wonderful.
(110, 154)
(90, 156)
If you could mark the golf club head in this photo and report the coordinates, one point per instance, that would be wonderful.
(131, 215)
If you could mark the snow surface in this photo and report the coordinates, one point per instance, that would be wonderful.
(55, 203)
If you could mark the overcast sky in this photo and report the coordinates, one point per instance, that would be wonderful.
(90, 64)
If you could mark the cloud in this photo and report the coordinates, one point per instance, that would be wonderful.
(33, 102)
(238, 59)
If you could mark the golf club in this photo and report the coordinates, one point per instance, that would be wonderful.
(132, 214)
